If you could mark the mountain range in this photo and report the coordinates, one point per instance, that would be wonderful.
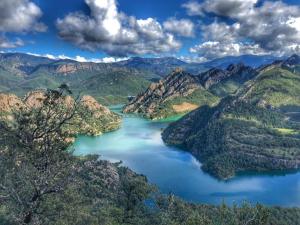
(250, 130)
(181, 92)
(109, 83)
(236, 116)
(177, 93)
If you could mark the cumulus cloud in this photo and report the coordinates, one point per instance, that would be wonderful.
(219, 31)
(5, 43)
(269, 28)
(18, 16)
(79, 58)
(115, 33)
(216, 49)
(193, 8)
(182, 27)
(227, 8)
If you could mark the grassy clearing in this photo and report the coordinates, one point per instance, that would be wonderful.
(286, 131)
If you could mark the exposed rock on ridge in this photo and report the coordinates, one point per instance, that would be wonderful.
(91, 117)
(176, 84)
(239, 72)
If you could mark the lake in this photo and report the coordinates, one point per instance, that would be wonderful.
(139, 145)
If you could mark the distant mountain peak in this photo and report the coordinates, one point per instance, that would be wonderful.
(293, 60)
(238, 71)
(234, 67)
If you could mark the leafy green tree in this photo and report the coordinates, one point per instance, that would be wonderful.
(35, 161)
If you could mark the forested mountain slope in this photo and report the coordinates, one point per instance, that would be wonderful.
(246, 131)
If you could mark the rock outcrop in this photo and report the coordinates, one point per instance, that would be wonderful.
(238, 72)
(10, 102)
(180, 89)
(175, 89)
(91, 118)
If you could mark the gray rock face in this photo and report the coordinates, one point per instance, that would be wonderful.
(182, 84)
(238, 72)
(178, 83)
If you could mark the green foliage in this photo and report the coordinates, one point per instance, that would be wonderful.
(225, 88)
(237, 136)
(91, 191)
(34, 158)
(109, 86)
(277, 87)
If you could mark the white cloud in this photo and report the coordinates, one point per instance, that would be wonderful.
(268, 28)
(20, 16)
(226, 8)
(229, 8)
(110, 59)
(182, 27)
(115, 33)
(220, 31)
(193, 59)
(215, 49)
(193, 8)
(79, 58)
(5, 43)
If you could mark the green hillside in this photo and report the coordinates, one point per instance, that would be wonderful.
(110, 86)
(276, 87)
(8, 80)
(237, 136)
(225, 88)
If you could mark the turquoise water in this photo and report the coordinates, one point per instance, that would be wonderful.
(138, 144)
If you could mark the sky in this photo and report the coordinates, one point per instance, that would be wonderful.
(109, 30)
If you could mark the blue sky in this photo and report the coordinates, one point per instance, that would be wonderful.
(191, 30)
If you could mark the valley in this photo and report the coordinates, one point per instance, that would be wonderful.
(224, 136)
(234, 119)
(138, 144)
(176, 112)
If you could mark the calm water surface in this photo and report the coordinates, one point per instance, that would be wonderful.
(139, 145)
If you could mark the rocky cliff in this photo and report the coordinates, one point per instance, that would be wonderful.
(181, 92)
(223, 82)
(238, 72)
(177, 93)
(10, 102)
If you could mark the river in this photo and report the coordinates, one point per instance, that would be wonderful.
(139, 145)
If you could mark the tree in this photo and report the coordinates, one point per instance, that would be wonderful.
(35, 159)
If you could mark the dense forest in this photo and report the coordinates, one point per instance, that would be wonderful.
(237, 136)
